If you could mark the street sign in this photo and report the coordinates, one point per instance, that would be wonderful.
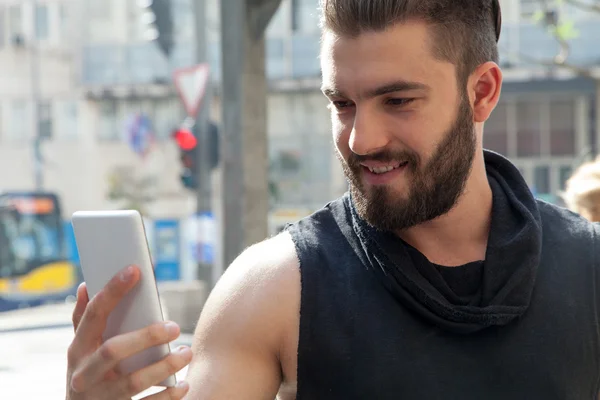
(191, 85)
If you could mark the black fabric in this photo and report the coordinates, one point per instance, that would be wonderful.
(359, 339)
(459, 284)
(512, 258)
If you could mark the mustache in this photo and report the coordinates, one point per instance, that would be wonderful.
(355, 160)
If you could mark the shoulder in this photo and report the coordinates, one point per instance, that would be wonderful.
(324, 221)
(568, 232)
(257, 297)
(565, 223)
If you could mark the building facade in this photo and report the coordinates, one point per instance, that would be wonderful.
(98, 73)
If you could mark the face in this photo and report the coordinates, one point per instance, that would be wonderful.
(403, 130)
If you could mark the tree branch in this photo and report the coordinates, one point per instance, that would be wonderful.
(584, 5)
(580, 71)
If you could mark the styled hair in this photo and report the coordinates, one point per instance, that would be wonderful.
(463, 31)
(583, 188)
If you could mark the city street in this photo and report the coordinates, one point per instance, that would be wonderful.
(33, 345)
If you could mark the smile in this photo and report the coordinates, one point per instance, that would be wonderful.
(384, 168)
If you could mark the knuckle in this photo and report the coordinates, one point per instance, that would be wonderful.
(134, 384)
(77, 382)
(173, 364)
(108, 352)
(93, 311)
(156, 334)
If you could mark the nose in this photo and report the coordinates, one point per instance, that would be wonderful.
(368, 133)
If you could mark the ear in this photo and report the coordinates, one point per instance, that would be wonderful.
(485, 85)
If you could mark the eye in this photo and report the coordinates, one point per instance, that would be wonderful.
(341, 104)
(399, 102)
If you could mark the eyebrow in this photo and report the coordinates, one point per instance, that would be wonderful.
(398, 86)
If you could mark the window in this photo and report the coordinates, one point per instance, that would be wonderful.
(64, 20)
(562, 128)
(2, 26)
(19, 120)
(495, 136)
(528, 129)
(541, 179)
(69, 119)
(45, 129)
(108, 128)
(278, 26)
(99, 9)
(564, 175)
(15, 22)
(529, 8)
(304, 16)
(42, 29)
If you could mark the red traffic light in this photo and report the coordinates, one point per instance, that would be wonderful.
(185, 139)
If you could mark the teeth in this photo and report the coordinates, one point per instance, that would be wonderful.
(382, 170)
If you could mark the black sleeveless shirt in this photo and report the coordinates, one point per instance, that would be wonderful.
(375, 324)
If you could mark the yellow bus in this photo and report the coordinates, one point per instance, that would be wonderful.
(33, 265)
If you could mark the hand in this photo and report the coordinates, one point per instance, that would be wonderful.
(93, 372)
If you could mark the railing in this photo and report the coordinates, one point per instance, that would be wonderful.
(296, 56)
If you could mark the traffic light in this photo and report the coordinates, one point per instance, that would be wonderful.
(158, 23)
(187, 141)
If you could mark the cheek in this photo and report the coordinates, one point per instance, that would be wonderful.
(341, 130)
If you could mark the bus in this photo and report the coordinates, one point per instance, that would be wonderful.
(34, 268)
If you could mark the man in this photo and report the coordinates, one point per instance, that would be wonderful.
(438, 276)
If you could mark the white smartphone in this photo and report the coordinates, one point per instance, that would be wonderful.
(109, 241)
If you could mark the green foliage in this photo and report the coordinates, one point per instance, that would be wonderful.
(129, 190)
(555, 21)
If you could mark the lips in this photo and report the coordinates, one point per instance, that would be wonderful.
(380, 168)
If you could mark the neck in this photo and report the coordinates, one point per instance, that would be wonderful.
(459, 236)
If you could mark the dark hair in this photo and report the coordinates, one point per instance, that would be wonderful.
(464, 31)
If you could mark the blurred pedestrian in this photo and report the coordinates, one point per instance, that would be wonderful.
(582, 194)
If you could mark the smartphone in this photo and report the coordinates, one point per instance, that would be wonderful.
(109, 241)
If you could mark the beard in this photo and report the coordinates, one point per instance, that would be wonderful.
(434, 188)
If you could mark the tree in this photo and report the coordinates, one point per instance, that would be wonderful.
(131, 191)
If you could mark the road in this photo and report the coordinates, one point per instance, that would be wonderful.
(33, 348)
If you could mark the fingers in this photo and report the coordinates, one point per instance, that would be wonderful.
(174, 393)
(155, 374)
(82, 301)
(118, 348)
(94, 318)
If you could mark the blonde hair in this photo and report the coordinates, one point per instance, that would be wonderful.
(583, 188)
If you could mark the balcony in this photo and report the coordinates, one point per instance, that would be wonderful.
(295, 57)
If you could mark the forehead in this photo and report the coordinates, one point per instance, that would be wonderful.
(402, 52)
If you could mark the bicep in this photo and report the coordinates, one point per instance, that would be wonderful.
(239, 334)
(219, 374)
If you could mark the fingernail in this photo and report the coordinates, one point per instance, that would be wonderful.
(184, 350)
(182, 385)
(127, 274)
(172, 328)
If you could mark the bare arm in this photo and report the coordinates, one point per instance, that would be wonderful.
(243, 325)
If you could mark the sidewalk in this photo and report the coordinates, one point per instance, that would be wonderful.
(56, 316)
(34, 345)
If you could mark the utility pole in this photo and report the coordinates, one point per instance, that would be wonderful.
(245, 195)
(34, 61)
(203, 194)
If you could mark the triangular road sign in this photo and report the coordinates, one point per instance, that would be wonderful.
(191, 85)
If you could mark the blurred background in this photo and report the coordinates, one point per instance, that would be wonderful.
(206, 116)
